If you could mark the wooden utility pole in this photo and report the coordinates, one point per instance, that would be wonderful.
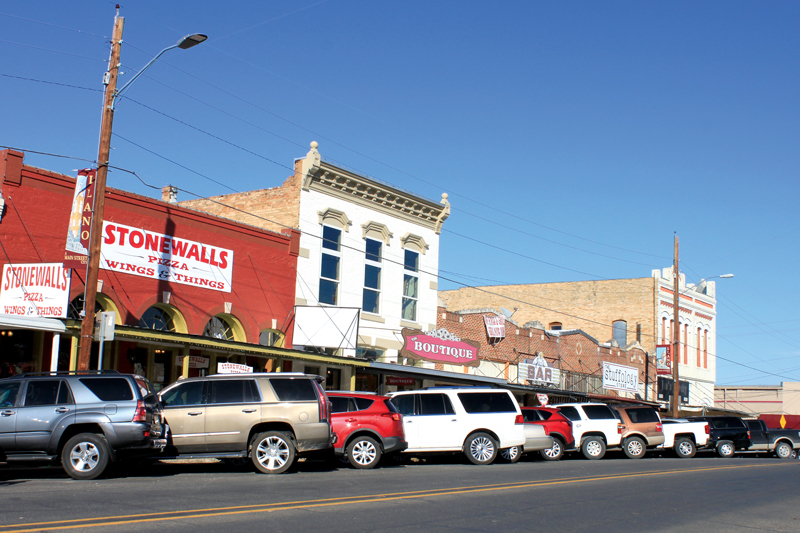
(90, 293)
(676, 337)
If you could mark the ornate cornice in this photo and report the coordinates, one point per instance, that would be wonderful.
(329, 179)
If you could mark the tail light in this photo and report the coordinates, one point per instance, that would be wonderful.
(546, 431)
(393, 416)
(708, 430)
(660, 427)
(748, 434)
(519, 419)
(140, 415)
(620, 428)
(324, 404)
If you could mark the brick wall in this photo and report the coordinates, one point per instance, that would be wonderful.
(273, 209)
(591, 306)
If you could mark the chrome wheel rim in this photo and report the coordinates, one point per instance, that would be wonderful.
(364, 452)
(784, 451)
(84, 456)
(727, 449)
(594, 448)
(635, 447)
(685, 448)
(510, 454)
(272, 453)
(554, 451)
(481, 448)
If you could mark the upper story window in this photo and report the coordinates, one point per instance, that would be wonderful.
(410, 285)
(331, 265)
(555, 326)
(157, 319)
(372, 277)
(218, 328)
(620, 328)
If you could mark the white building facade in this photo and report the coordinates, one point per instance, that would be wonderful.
(370, 246)
(697, 361)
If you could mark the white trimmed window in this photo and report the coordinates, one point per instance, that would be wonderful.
(372, 277)
(331, 265)
(410, 285)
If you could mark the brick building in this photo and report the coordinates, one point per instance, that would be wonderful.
(188, 289)
(622, 312)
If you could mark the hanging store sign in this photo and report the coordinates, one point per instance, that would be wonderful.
(165, 257)
(539, 370)
(543, 399)
(80, 221)
(35, 290)
(233, 368)
(495, 326)
(195, 361)
(439, 346)
(622, 378)
(392, 380)
(664, 360)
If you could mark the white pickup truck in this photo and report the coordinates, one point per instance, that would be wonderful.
(684, 437)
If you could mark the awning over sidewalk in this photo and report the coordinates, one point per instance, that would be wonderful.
(32, 322)
(429, 373)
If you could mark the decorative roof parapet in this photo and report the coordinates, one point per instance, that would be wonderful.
(327, 178)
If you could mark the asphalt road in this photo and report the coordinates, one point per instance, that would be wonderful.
(443, 493)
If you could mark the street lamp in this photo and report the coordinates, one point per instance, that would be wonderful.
(676, 333)
(109, 99)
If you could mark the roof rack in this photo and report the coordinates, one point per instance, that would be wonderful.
(67, 373)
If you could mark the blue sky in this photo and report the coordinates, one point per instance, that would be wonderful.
(577, 138)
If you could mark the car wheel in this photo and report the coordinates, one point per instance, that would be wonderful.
(555, 452)
(272, 452)
(363, 452)
(480, 449)
(85, 456)
(726, 449)
(593, 448)
(783, 450)
(634, 448)
(684, 448)
(511, 455)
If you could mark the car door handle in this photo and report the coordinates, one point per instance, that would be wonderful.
(8, 413)
(350, 419)
(62, 410)
(248, 410)
(195, 413)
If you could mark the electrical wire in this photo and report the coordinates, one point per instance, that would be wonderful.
(54, 25)
(51, 50)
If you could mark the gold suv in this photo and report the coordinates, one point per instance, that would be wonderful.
(268, 417)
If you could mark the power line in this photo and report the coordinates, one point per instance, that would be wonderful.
(54, 25)
(51, 50)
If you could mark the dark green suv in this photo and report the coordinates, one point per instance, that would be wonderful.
(85, 420)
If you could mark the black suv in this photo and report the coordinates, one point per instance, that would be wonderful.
(82, 419)
(726, 433)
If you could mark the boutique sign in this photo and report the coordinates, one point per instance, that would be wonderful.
(622, 378)
(166, 257)
(439, 346)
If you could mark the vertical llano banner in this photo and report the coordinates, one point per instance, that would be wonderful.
(80, 221)
(40, 290)
(166, 257)
(664, 360)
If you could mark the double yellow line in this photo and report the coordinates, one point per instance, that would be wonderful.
(330, 502)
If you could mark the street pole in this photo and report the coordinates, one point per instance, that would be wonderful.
(87, 326)
(676, 336)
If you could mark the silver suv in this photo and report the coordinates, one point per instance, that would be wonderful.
(268, 417)
(84, 419)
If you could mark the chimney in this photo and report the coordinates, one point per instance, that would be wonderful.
(169, 194)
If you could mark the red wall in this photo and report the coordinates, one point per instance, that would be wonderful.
(33, 229)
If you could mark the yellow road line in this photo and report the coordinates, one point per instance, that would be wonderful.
(329, 502)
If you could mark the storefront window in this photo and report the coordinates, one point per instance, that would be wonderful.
(333, 379)
(16, 352)
(162, 368)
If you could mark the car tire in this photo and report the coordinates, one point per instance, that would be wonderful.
(511, 455)
(363, 452)
(480, 449)
(593, 448)
(272, 452)
(555, 452)
(634, 447)
(685, 448)
(726, 449)
(85, 456)
(783, 450)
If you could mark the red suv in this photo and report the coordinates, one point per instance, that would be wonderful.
(366, 426)
(556, 425)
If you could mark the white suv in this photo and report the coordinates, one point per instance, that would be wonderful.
(594, 426)
(476, 421)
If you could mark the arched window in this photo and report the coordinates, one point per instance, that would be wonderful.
(157, 319)
(270, 337)
(76, 306)
(555, 326)
(620, 328)
(218, 328)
